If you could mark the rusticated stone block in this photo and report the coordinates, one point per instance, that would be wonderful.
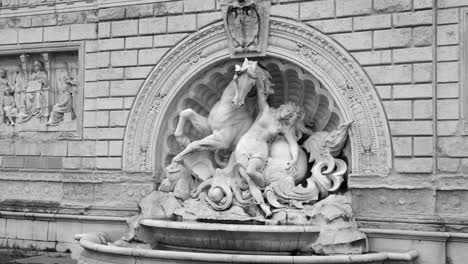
(71, 163)
(85, 31)
(452, 202)
(150, 56)
(447, 34)
(110, 74)
(422, 36)
(386, 202)
(13, 162)
(164, 8)
(168, 40)
(372, 22)
(78, 191)
(390, 74)
(44, 20)
(104, 133)
(333, 25)
(197, 6)
(81, 148)
(59, 33)
(137, 72)
(113, 13)
(104, 29)
(204, 19)
(153, 25)
(450, 3)
(124, 88)
(390, 6)
(448, 128)
(423, 146)
(30, 35)
(402, 146)
(449, 164)
(110, 103)
(448, 109)
(355, 40)
(181, 23)
(124, 58)
(138, 11)
(353, 7)
(118, 118)
(421, 54)
(447, 71)
(398, 109)
(420, 4)
(27, 147)
(414, 165)
(415, 128)
(392, 38)
(7, 147)
(9, 36)
(422, 72)
(111, 44)
(139, 42)
(447, 90)
(124, 28)
(70, 18)
(102, 148)
(317, 9)
(115, 148)
(447, 53)
(108, 163)
(422, 109)
(453, 146)
(286, 10)
(413, 18)
(412, 91)
(373, 57)
(54, 148)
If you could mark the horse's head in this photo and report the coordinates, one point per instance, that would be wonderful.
(246, 77)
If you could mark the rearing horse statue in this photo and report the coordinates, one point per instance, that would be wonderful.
(228, 120)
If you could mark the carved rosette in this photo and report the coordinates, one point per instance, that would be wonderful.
(295, 42)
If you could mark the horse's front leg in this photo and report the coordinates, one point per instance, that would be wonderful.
(211, 142)
(199, 122)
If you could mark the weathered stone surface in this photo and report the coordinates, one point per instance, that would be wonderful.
(317, 9)
(111, 13)
(159, 205)
(339, 233)
(453, 146)
(353, 7)
(139, 11)
(389, 6)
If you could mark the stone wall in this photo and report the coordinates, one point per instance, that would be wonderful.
(410, 49)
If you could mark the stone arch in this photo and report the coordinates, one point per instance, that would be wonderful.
(289, 40)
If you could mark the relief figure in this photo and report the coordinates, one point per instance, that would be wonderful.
(33, 100)
(65, 103)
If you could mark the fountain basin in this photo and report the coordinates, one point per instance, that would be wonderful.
(231, 237)
(95, 251)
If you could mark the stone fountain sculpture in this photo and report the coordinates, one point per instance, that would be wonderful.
(250, 169)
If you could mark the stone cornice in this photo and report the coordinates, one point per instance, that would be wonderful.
(18, 8)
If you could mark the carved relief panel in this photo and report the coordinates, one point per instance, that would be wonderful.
(40, 90)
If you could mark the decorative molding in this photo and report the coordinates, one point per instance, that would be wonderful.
(289, 40)
(464, 70)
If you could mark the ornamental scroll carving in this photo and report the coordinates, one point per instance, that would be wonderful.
(369, 138)
(39, 91)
